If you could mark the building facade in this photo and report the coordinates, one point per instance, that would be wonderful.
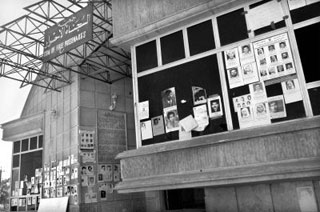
(219, 125)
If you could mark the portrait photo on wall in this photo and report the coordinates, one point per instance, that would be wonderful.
(291, 90)
(215, 107)
(231, 58)
(199, 95)
(245, 117)
(171, 119)
(146, 130)
(157, 125)
(235, 77)
(246, 53)
(168, 97)
(277, 107)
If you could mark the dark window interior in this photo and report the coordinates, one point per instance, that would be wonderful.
(308, 40)
(305, 13)
(16, 147)
(25, 145)
(203, 73)
(146, 56)
(201, 37)
(314, 95)
(29, 163)
(185, 199)
(232, 27)
(33, 143)
(15, 161)
(172, 47)
(40, 141)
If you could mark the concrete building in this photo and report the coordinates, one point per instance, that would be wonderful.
(223, 161)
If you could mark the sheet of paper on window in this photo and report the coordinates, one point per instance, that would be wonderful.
(146, 130)
(188, 123)
(264, 15)
(201, 117)
(143, 110)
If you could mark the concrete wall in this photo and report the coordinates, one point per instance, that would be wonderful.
(60, 129)
(129, 15)
(276, 197)
(279, 151)
(95, 100)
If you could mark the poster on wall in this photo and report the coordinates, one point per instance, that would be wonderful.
(103, 191)
(201, 116)
(258, 92)
(199, 95)
(250, 73)
(246, 53)
(291, 91)
(215, 107)
(143, 110)
(277, 107)
(168, 98)
(146, 130)
(157, 125)
(88, 156)
(245, 117)
(171, 119)
(231, 57)
(261, 113)
(242, 101)
(274, 57)
(86, 139)
(235, 77)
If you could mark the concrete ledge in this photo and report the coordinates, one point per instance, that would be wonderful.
(284, 170)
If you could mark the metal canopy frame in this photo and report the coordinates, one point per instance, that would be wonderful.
(22, 45)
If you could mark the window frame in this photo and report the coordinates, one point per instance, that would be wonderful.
(289, 29)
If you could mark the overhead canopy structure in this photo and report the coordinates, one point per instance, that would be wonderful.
(22, 47)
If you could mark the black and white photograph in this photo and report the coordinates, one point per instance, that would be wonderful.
(215, 107)
(149, 106)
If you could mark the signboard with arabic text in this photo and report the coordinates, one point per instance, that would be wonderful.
(68, 34)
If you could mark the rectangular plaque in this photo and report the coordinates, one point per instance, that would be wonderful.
(68, 34)
(112, 135)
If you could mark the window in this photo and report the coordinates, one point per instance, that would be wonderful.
(309, 49)
(25, 145)
(40, 141)
(232, 27)
(15, 161)
(146, 56)
(194, 74)
(172, 47)
(33, 143)
(16, 147)
(255, 81)
(200, 37)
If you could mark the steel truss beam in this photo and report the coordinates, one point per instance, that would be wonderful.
(22, 45)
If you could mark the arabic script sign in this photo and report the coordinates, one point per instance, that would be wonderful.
(68, 34)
